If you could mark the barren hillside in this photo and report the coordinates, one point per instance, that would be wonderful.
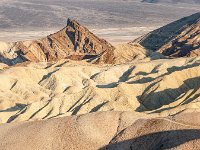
(177, 39)
(104, 131)
(33, 91)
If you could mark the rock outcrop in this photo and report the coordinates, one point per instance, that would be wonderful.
(187, 43)
(178, 39)
(74, 42)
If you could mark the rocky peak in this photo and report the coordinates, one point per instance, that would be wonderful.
(74, 42)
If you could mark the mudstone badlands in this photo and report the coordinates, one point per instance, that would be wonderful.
(74, 91)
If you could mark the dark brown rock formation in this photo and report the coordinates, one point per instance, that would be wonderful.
(74, 42)
(187, 43)
(178, 39)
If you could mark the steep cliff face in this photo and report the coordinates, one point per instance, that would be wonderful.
(178, 39)
(74, 42)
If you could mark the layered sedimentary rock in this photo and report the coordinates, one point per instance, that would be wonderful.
(178, 39)
(74, 42)
(187, 43)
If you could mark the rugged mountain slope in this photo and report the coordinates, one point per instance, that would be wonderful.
(178, 39)
(187, 43)
(104, 131)
(74, 42)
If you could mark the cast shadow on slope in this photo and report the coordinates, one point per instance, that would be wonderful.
(155, 100)
(17, 107)
(157, 141)
(11, 62)
(123, 78)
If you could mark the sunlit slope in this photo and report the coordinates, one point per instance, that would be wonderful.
(40, 91)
